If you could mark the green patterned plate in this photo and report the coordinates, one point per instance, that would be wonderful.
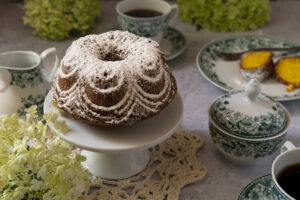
(225, 74)
(172, 44)
(261, 189)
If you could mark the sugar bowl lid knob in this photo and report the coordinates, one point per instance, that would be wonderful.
(252, 89)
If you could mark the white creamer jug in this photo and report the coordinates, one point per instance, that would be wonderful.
(22, 83)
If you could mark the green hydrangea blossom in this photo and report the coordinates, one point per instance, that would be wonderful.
(225, 15)
(60, 19)
(36, 164)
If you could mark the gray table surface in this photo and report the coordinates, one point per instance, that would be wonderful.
(224, 180)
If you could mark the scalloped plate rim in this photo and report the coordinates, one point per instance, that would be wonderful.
(282, 98)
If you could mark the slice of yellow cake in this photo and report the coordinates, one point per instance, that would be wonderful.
(257, 64)
(287, 71)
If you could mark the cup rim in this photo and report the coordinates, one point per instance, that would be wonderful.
(22, 52)
(141, 18)
(273, 173)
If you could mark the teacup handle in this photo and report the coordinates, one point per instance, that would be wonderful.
(174, 12)
(287, 146)
(44, 55)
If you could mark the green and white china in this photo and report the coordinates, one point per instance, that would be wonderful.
(151, 27)
(262, 118)
(267, 187)
(173, 43)
(262, 188)
(247, 126)
(290, 155)
(21, 81)
(226, 75)
(242, 151)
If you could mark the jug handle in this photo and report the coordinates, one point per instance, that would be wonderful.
(44, 55)
(5, 79)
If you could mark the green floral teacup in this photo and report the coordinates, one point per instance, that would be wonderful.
(151, 27)
(22, 84)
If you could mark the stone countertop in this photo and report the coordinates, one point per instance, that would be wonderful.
(224, 180)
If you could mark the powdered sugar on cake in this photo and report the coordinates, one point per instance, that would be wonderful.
(115, 78)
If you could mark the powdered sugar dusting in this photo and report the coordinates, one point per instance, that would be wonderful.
(113, 78)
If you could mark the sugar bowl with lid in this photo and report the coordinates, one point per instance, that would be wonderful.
(247, 126)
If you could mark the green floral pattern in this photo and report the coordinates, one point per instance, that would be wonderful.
(245, 126)
(176, 40)
(261, 189)
(33, 100)
(245, 148)
(26, 78)
(278, 193)
(145, 28)
(207, 58)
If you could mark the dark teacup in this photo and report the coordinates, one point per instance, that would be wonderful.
(285, 171)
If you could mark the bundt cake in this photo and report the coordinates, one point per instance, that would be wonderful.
(257, 65)
(113, 79)
(287, 70)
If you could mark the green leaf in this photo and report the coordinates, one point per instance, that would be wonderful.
(225, 15)
(60, 19)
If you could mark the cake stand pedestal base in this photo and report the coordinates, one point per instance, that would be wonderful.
(119, 152)
(116, 166)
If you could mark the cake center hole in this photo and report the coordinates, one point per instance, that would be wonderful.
(113, 55)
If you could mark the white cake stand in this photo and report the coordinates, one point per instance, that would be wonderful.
(120, 152)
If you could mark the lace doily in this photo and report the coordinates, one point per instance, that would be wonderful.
(173, 164)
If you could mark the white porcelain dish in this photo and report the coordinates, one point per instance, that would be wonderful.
(225, 74)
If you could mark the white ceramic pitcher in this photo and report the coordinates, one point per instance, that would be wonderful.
(21, 82)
